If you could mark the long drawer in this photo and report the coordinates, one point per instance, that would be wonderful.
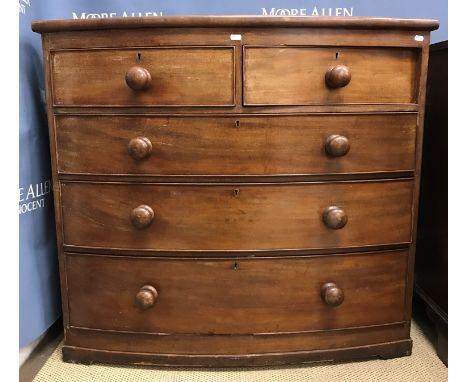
(223, 296)
(241, 217)
(165, 76)
(235, 145)
(329, 75)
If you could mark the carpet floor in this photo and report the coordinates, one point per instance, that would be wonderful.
(422, 366)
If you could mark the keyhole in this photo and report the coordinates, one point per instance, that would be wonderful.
(236, 266)
(237, 123)
(138, 56)
(336, 55)
(236, 192)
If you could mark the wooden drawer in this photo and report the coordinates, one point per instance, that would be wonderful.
(236, 217)
(178, 76)
(296, 75)
(223, 296)
(237, 145)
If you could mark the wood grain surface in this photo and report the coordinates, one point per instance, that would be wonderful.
(235, 296)
(258, 217)
(378, 75)
(235, 145)
(180, 76)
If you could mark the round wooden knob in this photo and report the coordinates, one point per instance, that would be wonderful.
(139, 148)
(142, 216)
(338, 76)
(337, 145)
(334, 217)
(138, 78)
(331, 294)
(146, 297)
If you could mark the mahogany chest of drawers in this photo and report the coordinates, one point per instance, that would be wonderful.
(235, 190)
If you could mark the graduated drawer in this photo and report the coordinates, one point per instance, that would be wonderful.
(207, 217)
(297, 75)
(223, 296)
(166, 76)
(217, 146)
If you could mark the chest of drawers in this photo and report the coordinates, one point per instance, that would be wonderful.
(235, 190)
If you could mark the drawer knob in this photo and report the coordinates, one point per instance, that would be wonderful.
(139, 148)
(138, 78)
(331, 294)
(337, 145)
(338, 76)
(142, 216)
(334, 217)
(146, 297)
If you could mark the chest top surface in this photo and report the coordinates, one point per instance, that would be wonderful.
(236, 21)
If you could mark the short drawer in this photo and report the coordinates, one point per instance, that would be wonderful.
(169, 76)
(313, 75)
(235, 145)
(234, 217)
(223, 296)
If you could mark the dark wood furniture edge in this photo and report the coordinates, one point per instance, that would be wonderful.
(70, 249)
(432, 314)
(352, 22)
(438, 319)
(220, 179)
(56, 182)
(441, 45)
(327, 181)
(434, 311)
(247, 111)
(243, 108)
(423, 69)
(209, 114)
(384, 350)
(398, 324)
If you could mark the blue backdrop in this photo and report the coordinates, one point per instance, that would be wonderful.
(39, 287)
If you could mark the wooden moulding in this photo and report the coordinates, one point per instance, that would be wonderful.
(384, 341)
(236, 21)
(385, 351)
